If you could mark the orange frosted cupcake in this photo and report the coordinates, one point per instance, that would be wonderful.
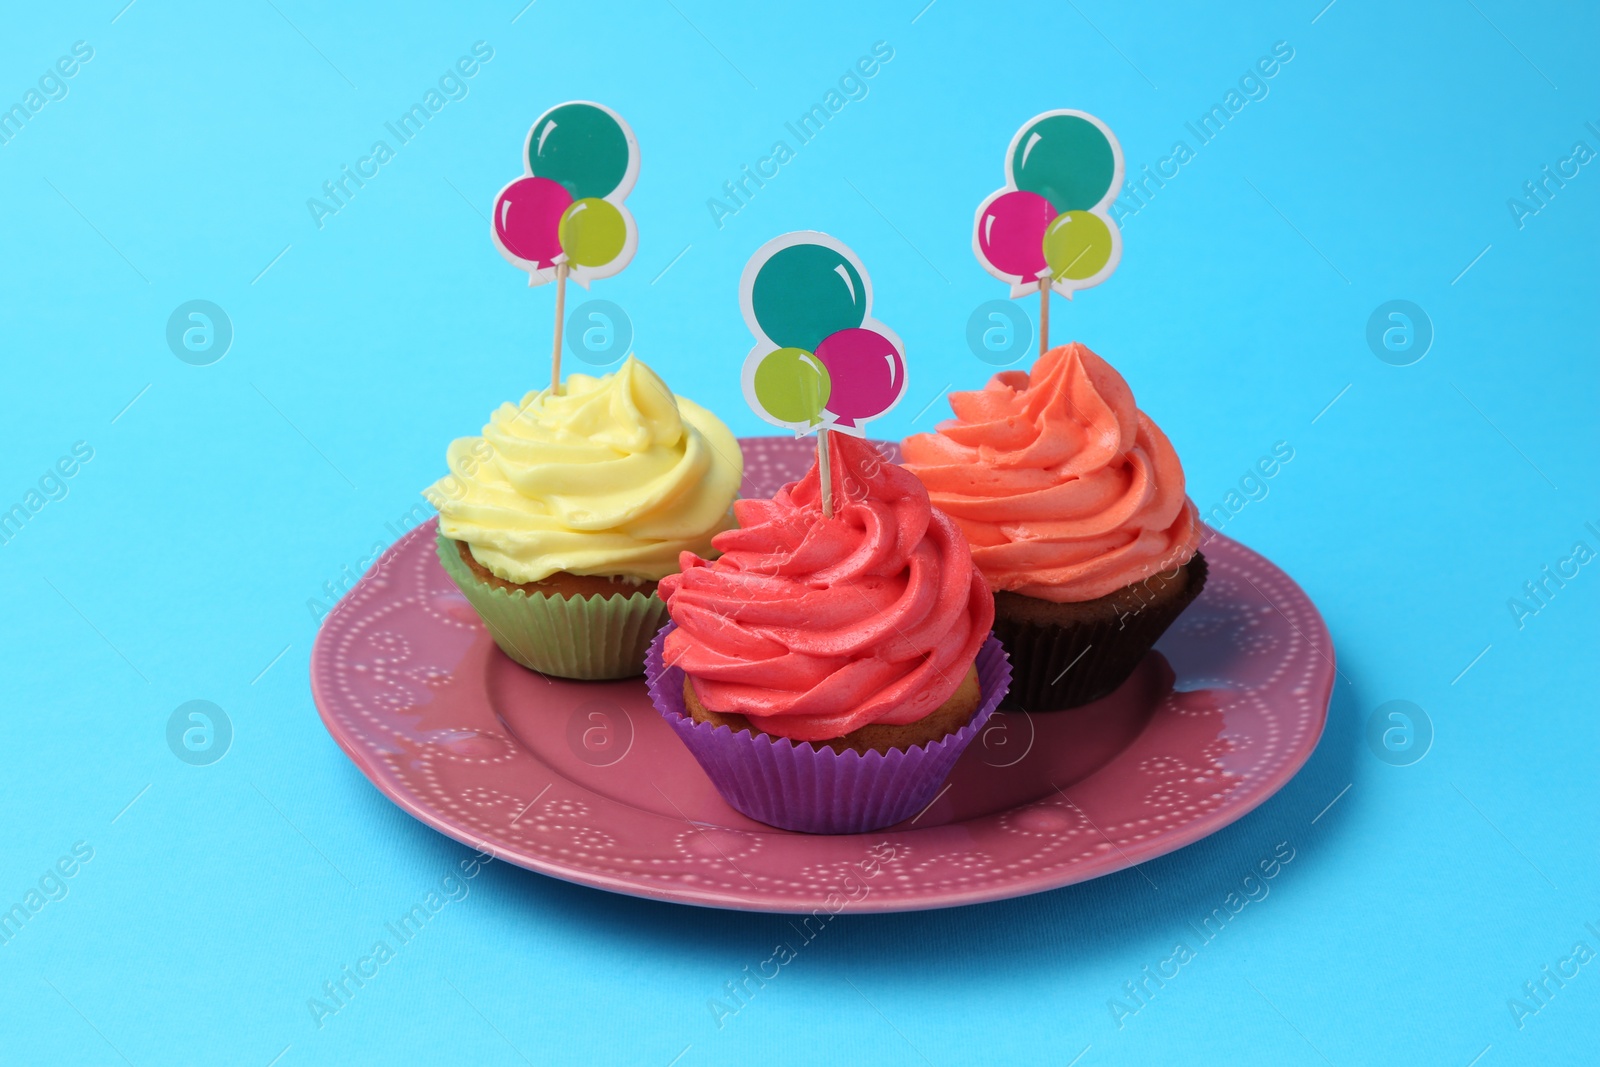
(1073, 502)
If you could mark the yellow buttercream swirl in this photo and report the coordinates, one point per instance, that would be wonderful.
(613, 476)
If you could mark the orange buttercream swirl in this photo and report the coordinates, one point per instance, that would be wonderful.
(1066, 491)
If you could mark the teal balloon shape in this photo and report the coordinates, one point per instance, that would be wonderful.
(806, 292)
(1066, 160)
(581, 147)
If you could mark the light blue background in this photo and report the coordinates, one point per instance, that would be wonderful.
(215, 506)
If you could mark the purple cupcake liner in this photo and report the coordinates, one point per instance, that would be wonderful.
(816, 790)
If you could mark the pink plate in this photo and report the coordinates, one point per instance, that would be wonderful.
(585, 781)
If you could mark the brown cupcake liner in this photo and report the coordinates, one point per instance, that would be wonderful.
(589, 638)
(1060, 665)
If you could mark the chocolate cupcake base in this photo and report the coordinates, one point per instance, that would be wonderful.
(1064, 655)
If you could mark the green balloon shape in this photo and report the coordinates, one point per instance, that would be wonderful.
(1066, 160)
(806, 292)
(1077, 245)
(792, 385)
(592, 232)
(582, 148)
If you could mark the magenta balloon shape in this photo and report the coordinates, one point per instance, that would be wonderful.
(527, 218)
(867, 372)
(1011, 233)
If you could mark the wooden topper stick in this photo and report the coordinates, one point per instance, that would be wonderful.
(561, 314)
(1044, 315)
(825, 469)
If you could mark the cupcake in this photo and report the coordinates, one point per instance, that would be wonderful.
(558, 522)
(1073, 502)
(827, 671)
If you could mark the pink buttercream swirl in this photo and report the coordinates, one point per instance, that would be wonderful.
(814, 626)
(1065, 490)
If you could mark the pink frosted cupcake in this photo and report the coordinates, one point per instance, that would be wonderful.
(828, 671)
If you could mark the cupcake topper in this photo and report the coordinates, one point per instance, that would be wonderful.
(1050, 227)
(565, 215)
(821, 361)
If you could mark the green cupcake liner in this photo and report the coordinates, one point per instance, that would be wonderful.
(590, 638)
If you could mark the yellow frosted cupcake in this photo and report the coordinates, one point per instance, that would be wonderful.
(559, 520)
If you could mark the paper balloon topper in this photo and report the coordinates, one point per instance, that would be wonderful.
(1051, 223)
(580, 163)
(821, 361)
